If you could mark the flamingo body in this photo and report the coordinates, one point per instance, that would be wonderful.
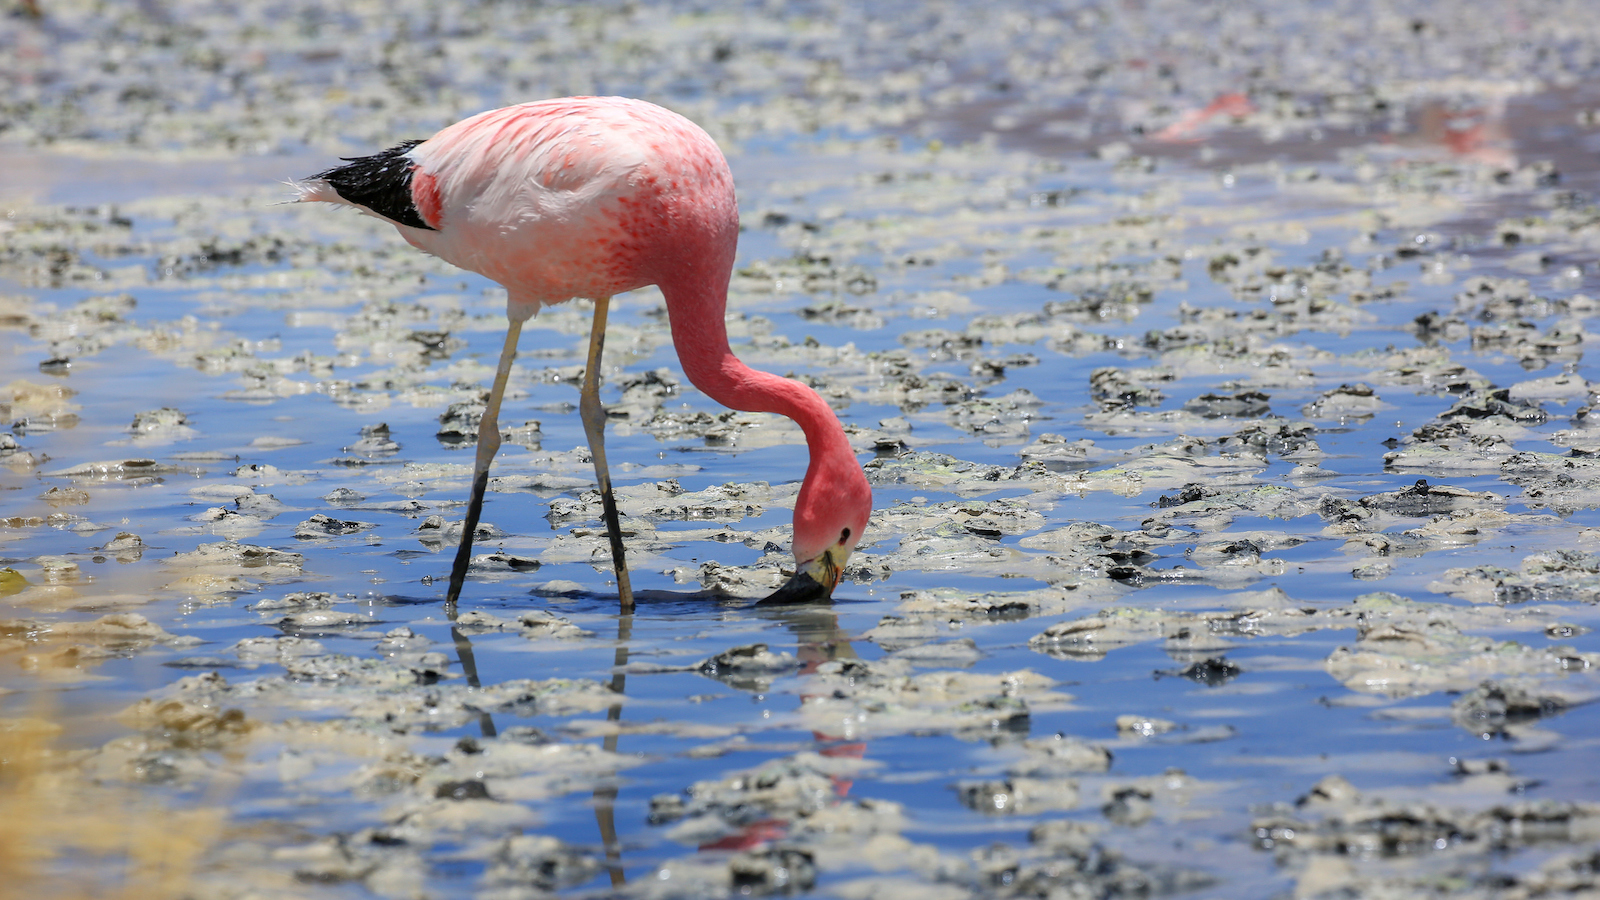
(577, 197)
(590, 197)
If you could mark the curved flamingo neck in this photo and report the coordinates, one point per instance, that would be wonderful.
(835, 500)
(700, 335)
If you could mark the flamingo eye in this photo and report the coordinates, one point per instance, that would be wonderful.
(844, 535)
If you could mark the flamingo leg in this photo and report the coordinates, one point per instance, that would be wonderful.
(488, 446)
(594, 425)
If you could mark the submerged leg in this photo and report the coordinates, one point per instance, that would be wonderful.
(594, 425)
(488, 445)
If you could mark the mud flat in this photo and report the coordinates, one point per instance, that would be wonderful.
(1221, 376)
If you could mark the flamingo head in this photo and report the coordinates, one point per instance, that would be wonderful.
(829, 518)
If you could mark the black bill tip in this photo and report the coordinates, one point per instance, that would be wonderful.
(802, 588)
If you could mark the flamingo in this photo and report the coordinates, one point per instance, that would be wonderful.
(589, 197)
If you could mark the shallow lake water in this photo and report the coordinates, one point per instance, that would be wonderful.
(1221, 376)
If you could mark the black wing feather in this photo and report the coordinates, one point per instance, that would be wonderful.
(380, 182)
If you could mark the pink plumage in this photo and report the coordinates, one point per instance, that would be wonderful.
(576, 197)
(590, 197)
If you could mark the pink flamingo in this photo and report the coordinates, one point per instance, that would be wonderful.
(589, 197)
(1187, 127)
